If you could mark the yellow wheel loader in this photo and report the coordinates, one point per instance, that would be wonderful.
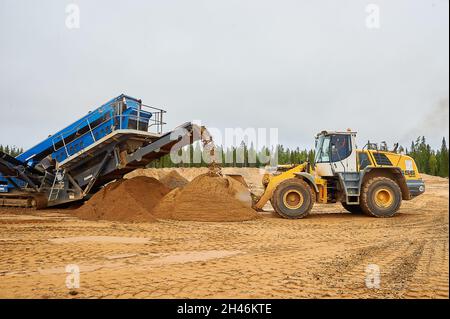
(371, 180)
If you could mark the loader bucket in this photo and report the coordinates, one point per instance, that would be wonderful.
(238, 178)
(239, 189)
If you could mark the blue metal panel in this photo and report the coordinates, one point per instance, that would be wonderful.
(85, 131)
(108, 122)
(46, 147)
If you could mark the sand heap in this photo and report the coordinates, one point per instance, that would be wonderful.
(127, 200)
(173, 180)
(205, 198)
(149, 172)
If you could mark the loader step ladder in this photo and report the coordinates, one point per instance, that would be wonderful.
(350, 182)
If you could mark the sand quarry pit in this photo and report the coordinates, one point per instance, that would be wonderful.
(323, 256)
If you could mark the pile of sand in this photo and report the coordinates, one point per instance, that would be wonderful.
(148, 172)
(205, 198)
(173, 180)
(127, 200)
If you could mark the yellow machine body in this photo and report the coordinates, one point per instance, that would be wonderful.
(401, 168)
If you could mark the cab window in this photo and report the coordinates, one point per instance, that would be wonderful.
(323, 150)
(341, 147)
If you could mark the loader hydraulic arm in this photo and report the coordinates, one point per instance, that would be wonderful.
(275, 180)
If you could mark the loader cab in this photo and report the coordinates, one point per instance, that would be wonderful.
(335, 153)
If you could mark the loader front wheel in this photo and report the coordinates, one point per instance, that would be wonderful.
(293, 198)
(381, 197)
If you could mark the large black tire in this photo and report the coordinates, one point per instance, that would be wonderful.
(381, 197)
(354, 209)
(293, 198)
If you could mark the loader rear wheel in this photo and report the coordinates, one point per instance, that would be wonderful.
(354, 209)
(293, 198)
(381, 197)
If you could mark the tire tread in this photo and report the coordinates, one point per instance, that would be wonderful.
(364, 199)
(288, 182)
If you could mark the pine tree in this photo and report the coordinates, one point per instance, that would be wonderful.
(433, 169)
(443, 159)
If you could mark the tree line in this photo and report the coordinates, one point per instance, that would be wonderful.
(242, 156)
(11, 150)
(428, 161)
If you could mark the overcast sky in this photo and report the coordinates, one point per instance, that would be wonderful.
(300, 66)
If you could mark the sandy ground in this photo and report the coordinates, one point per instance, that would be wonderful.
(323, 256)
